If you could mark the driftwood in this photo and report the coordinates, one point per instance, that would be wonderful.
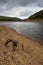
(13, 42)
(22, 47)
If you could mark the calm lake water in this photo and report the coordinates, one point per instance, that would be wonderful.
(29, 29)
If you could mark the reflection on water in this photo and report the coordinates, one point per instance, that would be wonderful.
(31, 29)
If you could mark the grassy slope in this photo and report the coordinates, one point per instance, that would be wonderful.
(3, 18)
(36, 16)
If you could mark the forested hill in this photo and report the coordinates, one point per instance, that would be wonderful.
(4, 18)
(36, 16)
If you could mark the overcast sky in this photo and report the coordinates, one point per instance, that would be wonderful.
(20, 8)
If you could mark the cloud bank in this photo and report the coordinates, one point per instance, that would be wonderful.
(20, 8)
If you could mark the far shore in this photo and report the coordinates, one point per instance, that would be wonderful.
(35, 20)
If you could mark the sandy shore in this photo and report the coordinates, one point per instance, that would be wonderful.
(27, 51)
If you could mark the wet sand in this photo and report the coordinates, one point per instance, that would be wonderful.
(27, 52)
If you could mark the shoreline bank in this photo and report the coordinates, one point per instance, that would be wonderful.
(27, 51)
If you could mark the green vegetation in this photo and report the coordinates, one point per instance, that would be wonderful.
(4, 18)
(37, 16)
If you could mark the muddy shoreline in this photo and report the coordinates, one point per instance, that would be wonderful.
(16, 49)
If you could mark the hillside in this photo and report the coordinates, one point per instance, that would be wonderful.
(4, 18)
(36, 16)
(15, 51)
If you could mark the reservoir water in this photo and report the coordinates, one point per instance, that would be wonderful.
(29, 29)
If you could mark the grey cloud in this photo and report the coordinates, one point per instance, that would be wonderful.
(8, 4)
(40, 3)
(23, 2)
(25, 13)
(3, 2)
(20, 2)
(16, 3)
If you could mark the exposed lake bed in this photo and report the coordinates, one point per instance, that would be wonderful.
(18, 49)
